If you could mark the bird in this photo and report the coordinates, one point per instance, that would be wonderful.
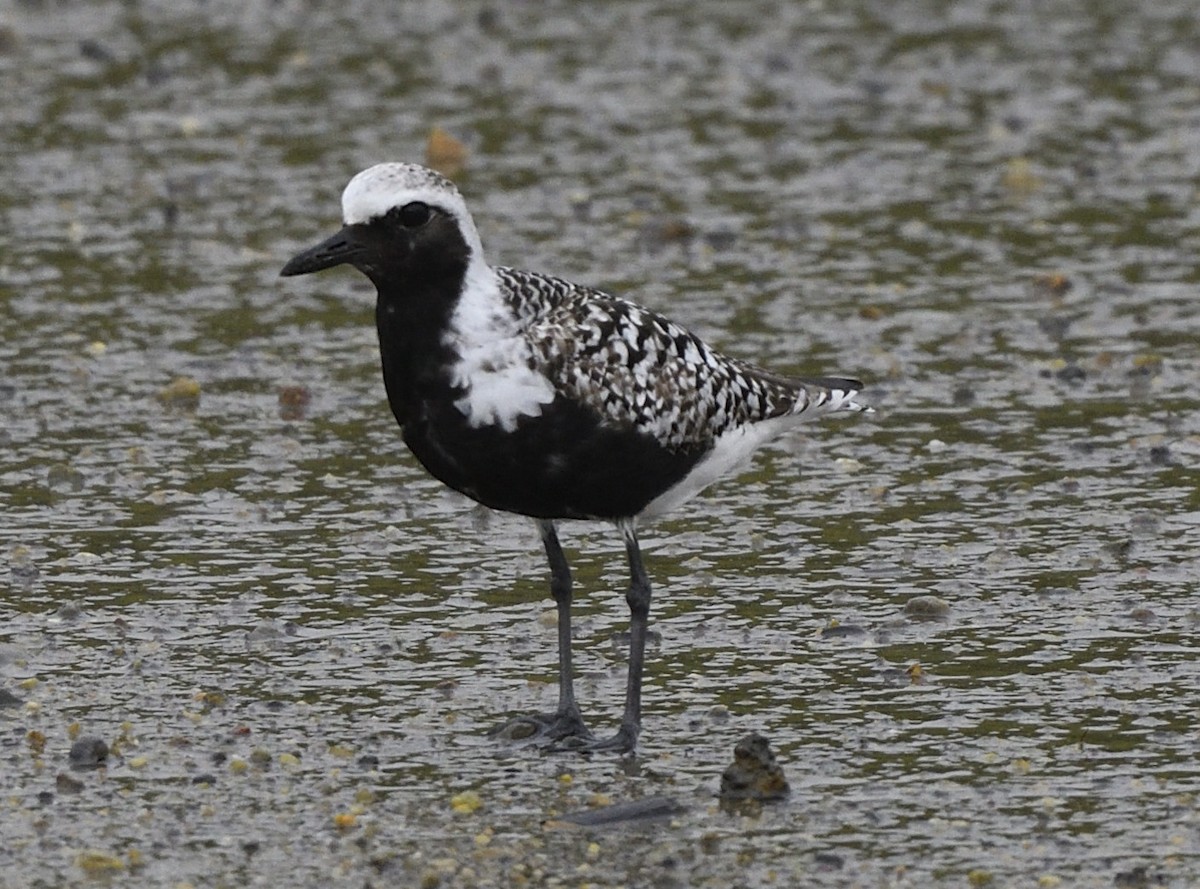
(537, 396)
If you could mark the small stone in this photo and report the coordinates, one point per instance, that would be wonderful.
(67, 784)
(93, 862)
(445, 153)
(466, 802)
(64, 479)
(181, 392)
(1160, 455)
(293, 402)
(754, 774)
(1135, 878)
(88, 752)
(926, 608)
(1054, 284)
(827, 861)
(1072, 373)
(261, 757)
(1019, 177)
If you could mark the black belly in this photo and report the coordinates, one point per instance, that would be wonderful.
(563, 463)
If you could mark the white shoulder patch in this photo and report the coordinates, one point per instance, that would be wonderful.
(495, 361)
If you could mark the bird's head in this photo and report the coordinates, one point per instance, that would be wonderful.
(401, 221)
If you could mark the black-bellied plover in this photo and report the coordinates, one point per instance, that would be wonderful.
(533, 395)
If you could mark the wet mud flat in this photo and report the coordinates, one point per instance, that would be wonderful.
(243, 639)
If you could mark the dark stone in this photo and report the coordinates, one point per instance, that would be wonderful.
(754, 774)
(67, 784)
(1072, 373)
(88, 752)
(829, 861)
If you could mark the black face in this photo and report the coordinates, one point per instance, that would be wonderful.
(410, 241)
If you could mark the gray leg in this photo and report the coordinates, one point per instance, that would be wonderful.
(566, 721)
(638, 597)
(568, 718)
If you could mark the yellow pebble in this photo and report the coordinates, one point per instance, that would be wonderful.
(466, 802)
(95, 862)
(183, 391)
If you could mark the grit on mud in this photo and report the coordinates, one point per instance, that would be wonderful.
(246, 641)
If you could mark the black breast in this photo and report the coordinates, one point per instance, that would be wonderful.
(562, 463)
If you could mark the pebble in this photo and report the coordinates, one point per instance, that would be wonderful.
(67, 784)
(926, 608)
(88, 752)
(754, 773)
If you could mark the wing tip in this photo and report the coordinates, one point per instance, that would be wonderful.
(838, 394)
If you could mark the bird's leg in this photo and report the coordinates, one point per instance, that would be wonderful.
(566, 721)
(638, 597)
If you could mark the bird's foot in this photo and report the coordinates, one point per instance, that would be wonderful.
(624, 741)
(547, 728)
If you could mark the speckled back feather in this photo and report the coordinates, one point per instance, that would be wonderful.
(639, 370)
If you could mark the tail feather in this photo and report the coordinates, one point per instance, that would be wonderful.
(828, 394)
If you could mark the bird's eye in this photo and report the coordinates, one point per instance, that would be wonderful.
(414, 215)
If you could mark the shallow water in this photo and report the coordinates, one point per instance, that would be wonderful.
(987, 210)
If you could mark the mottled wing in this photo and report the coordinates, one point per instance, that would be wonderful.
(637, 369)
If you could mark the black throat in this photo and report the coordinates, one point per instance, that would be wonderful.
(418, 275)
